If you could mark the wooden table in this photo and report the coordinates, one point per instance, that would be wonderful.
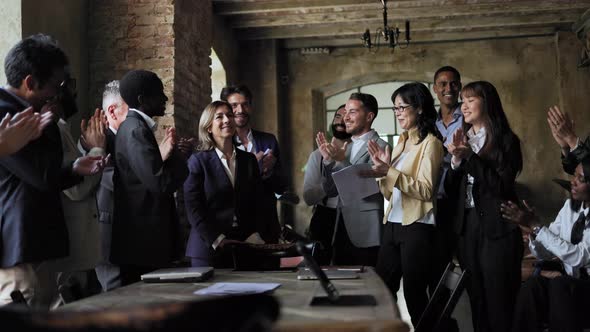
(294, 296)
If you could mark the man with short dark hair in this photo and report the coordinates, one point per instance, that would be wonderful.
(315, 192)
(33, 228)
(358, 225)
(266, 149)
(447, 86)
(146, 177)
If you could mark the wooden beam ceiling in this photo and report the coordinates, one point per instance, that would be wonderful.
(338, 22)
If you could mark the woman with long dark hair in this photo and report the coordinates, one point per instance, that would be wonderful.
(486, 160)
(408, 180)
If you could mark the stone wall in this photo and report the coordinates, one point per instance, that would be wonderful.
(530, 74)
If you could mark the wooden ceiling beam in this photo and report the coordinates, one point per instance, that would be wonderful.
(450, 12)
(426, 37)
(282, 7)
(355, 29)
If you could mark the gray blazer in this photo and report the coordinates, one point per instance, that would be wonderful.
(363, 218)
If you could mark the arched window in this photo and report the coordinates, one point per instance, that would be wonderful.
(385, 124)
(218, 77)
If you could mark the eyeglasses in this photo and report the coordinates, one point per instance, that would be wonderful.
(66, 86)
(401, 108)
(444, 84)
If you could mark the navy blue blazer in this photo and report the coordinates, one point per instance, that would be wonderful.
(211, 202)
(31, 216)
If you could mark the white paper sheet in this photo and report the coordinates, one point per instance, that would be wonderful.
(351, 186)
(228, 288)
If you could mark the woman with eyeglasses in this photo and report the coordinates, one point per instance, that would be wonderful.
(222, 191)
(486, 160)
(407, 178)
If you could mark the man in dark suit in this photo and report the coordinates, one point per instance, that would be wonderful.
(33, 228)
(145, 179)
(116, 111)
(266, 149)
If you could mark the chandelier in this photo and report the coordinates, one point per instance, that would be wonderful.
(390, 35)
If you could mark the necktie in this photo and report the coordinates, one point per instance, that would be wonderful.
(577, 235)
(578, 229)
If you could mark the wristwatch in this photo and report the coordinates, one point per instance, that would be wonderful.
(536, 230)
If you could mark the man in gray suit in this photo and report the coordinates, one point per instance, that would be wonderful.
(358, 225)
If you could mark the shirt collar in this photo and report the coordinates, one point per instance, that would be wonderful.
(480, 134)
(364, 137)
(456, 113)
(412, 134)
(19, 99)
(221, 155)
(150, 122)
(113, 130)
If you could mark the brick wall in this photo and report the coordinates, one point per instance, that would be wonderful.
(193, 29)
(125, 35)
(169, 37)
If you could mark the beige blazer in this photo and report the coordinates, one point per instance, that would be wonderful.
(417, 178)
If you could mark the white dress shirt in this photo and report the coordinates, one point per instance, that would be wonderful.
(358, 142)
(251, 147)
(476, 142)
(554, 241)
(396, 214)
(229, 166)
(150, 122)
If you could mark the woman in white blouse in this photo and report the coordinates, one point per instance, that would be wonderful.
(486, 160)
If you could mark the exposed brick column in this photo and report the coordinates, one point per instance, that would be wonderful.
(169, 37)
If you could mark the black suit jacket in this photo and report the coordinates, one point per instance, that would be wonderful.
(31, 216)
(275, 183)
(211, 202)
(145, 222)
(573, 158)
(492, 186)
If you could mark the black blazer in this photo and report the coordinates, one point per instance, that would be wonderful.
(145, 223)
(492, 186)
(31, 216)
(211, 202)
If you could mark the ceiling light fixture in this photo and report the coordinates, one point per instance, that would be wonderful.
(390, 35)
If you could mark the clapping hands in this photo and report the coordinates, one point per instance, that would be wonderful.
(93, 131)
(331, 151)
(380, 158)
(459, 148)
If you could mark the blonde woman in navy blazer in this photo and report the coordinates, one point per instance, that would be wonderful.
(222, 191)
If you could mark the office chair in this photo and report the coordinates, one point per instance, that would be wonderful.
(437, 315)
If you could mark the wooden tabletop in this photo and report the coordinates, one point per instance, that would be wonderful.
(294, 296)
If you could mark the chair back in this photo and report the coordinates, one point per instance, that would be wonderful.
(436, 316)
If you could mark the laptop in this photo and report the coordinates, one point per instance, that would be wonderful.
(180, 274)
(333, 274)
(333, 296)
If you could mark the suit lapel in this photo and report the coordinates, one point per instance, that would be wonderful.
(363, 151)
(219, 169)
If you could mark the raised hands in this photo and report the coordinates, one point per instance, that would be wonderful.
(93, 132)
(168, 143)
(18, 130)
(268, 162)
(562, 128)
(90, 165)
(524, 217)
(332, 150)
(186, 146)
(458, 147)
(380, 158)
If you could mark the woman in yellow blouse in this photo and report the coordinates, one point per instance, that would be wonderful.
(409, 183)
